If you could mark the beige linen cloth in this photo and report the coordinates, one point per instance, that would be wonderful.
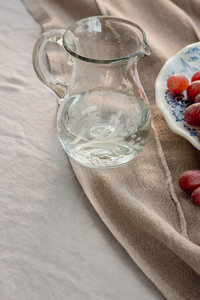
(141, 203)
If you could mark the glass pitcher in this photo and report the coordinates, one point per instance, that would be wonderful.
(103, 117)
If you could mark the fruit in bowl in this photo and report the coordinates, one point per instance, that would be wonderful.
(192, 114)
(193, 89)
(178, 83)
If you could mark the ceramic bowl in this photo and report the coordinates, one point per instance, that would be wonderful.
(172, 106)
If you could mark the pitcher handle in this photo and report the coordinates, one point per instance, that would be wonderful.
(58, 87)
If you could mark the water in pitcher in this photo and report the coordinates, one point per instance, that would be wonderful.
(102, 129)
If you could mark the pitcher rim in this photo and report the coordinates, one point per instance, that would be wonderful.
(98, 61)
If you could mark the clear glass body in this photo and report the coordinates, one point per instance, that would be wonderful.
(104, 115)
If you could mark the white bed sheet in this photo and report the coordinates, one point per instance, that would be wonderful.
(53, 244)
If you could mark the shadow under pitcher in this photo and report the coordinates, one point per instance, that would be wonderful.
(104, 115)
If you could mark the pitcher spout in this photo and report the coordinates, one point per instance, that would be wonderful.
(146, 50)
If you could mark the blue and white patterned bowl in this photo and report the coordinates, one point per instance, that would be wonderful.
(172, 106)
